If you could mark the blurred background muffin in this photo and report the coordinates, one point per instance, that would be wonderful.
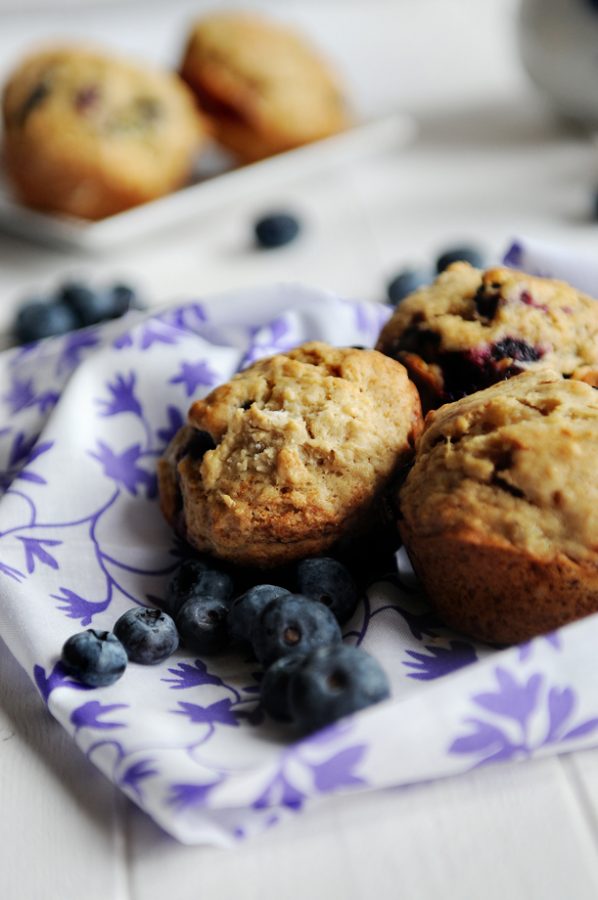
(89, 134)
(263, 87)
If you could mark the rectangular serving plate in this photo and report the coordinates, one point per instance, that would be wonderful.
(214, 184)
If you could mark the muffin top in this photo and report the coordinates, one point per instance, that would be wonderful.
(83, 104)
(470, 329)
(264, 74)
(303, 444)
(513, 465)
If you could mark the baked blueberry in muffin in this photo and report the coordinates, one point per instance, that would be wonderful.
(291, 455)
(90, 135)
(471, 329)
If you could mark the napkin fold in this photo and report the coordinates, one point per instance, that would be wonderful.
(83, 419)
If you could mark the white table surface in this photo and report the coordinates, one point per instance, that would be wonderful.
(489, 163)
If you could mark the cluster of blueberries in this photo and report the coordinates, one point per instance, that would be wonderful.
(409, 280)
(310, 677)
(74, 305)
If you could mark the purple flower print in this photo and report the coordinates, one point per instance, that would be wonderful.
(22, 396)
(123, 341)
(175, 421)
(517, 701)
(123, 397)
(183, 796)
(514, 704)
(11, 572)
(24, 451)
(188, 675)
(58, 677)
(194, 375)
(514, 256)
(156, 333)
(135, 773)
(88, 715)
(74, 347)
(188, 318)
(440, 661)
(218, 713)
(124, 469)
(77, 607)
(280, 792)
(274, 338)
(34, 549)
(525, 650)
(337, 771)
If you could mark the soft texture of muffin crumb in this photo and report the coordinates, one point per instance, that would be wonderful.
(500, 511)
(306, 443)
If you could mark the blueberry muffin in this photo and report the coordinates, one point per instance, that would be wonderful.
(470, 329)
(263, 87)
(291, 455)
(91, 135)
(499, 513)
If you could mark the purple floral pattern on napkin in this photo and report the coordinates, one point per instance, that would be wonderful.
(83, 420)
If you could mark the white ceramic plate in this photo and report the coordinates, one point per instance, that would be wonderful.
(214, 184)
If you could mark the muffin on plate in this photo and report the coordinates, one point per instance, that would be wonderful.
(89, 135)
(470, 329)
(291, 455)
(263, 87)
(499, 513)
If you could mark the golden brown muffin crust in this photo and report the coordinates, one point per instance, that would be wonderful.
(264, 88)
(470, 329)
(90, 134)
(500, 511)
(305, 444)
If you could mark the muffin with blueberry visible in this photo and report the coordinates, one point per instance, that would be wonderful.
(262, 85)
(89, 135)
(291, 455)
(470, 329)
(499, 513)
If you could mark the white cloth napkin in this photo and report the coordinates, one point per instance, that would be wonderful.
(82, 421)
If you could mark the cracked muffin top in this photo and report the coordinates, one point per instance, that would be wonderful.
(263, 86)
(470, 329)
(91, 134)
(513, 466)
(290, 455)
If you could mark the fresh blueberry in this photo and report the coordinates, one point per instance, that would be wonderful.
(180, 587)
(274, 688)
(247, 608)
(196, 579)
(96, 658)
(94, 306)
(38, 319)
(292, 624)
(148, 635)
(202, 624)
(330, 582)
(276, 230)
(124, 298)
(82, 301)
(333, 682)
(471, 255)
(405, 283)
